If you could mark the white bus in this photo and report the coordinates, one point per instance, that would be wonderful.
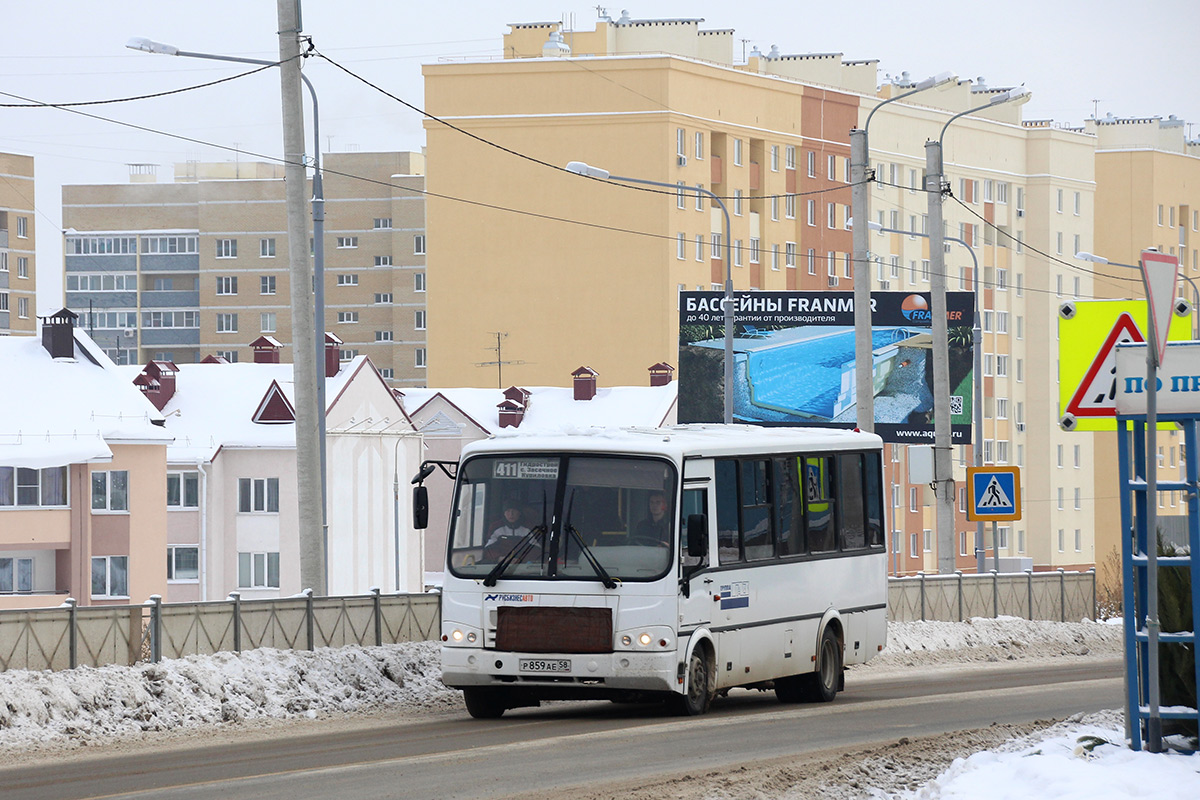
(768, 569)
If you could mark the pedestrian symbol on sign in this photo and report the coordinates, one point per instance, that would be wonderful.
(994, 496)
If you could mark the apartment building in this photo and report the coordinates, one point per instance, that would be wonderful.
(18, 256)
(1147, 195)
(594, 267)
(83, 505)
(198, 266)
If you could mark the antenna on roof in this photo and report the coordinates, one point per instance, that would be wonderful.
(1095, 109)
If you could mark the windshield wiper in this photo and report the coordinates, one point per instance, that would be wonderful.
(519, 551)
(601, 572)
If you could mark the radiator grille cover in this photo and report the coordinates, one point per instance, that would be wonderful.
(554, 630)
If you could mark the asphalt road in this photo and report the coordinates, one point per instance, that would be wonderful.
(573, 744)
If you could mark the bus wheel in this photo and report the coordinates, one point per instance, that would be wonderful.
(695, 701)
(484, 703)
(822, 686)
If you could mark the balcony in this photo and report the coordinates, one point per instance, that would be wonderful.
(189, 300)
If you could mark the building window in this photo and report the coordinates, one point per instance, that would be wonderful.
(347, 242)
(716, 247)
(110, 490)
(25, 486)
(1078, 499)
(347, 317)
(812, 261)
(383, 298)
(912, 498)
(755, 244)
(266, 323)
(699, 197)
(420, 358)
(22, 267)
(737, 152)
(699, 247)
(229, 355)
(183, 490)
(258, 495)
(19, 579)
(831, 167)
(386, 373)
(266, 284)
(418, 281)
(811, 212)
(22, 228)
(227, 284)
(226, 248)
(927, 540)
(23, 307)
(347, 280)
(383, 336)
(1060, 201)
(680, 142)
(812, 163)
(419, 320)
(1001, 366)
(382, 223)
(912, 546)
(266, 248)
(774, 158)
(183, 563)
(699, 145)
(258, 570)
(680, 197)
(110, 576)
(681, 246)
(737, 252)
(737, 202)
(347, 355)
(227, 323)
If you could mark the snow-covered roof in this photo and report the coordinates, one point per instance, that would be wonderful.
(553, 408)
(214, 406)
(67, 410)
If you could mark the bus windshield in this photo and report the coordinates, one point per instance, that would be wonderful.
(566, 517)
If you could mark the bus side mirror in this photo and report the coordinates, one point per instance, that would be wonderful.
(697, 535)
(420, 507)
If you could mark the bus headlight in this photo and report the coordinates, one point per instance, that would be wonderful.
(645, 639)
(657, 638)
(460, 635)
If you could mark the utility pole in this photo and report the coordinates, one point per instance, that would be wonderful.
(864, 348)
(308, 455)
(943, 475)
(499, 362)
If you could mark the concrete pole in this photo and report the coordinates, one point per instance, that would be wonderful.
(864, 350)
(308, 456)
(1154, 722)
(943, 474)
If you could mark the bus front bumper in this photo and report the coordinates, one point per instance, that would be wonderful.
(618, 671)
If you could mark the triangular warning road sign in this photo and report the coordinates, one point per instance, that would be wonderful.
(1097, 392)
(994, 496)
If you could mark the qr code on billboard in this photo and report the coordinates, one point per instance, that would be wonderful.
(956, 404)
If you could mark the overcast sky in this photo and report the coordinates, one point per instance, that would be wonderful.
(1076, 56)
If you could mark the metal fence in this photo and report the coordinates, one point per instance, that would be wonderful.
(63, 638)
(1058, 595)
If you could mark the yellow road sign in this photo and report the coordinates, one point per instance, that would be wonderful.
(1088, 332)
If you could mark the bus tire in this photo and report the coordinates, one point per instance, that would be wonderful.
(483, 703)
(696, 700)
(821, 686)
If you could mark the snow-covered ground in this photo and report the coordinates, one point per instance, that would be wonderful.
(43, 713)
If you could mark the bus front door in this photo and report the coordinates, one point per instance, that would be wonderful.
(696, 583)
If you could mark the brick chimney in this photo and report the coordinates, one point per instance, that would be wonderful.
(660, 374)
(157, 382)
(333, 354)
(513, 407)
(585, 383)
(58, 333)
(266, 350)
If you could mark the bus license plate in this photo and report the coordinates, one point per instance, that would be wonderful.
(545, 665)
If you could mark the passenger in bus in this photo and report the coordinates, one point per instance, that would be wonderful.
(653, 529)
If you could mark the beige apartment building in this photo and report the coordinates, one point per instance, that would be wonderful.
(575, 270)
(18, 261)
(1147, 195)
(177, 271)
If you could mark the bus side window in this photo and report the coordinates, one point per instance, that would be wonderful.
(853, 524)
(818, 504)
(788, 491)
(728, 530)
(695, 501)
(757, 541)
(874, 499)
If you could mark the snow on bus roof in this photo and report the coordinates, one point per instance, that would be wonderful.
(689, 439)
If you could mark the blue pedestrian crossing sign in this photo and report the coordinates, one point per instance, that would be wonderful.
(995, 493)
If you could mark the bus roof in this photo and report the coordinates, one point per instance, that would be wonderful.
(682, 441)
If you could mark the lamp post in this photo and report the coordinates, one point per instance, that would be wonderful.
(943, 475)
(860, 198)
(317, 346)
(977, 369)
(580, 168)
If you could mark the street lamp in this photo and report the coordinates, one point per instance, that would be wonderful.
(580, 168)
(860, 198)
(317, 346)
(943, 476)
(977, 369)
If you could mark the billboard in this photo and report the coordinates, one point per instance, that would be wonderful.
(794, 361)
